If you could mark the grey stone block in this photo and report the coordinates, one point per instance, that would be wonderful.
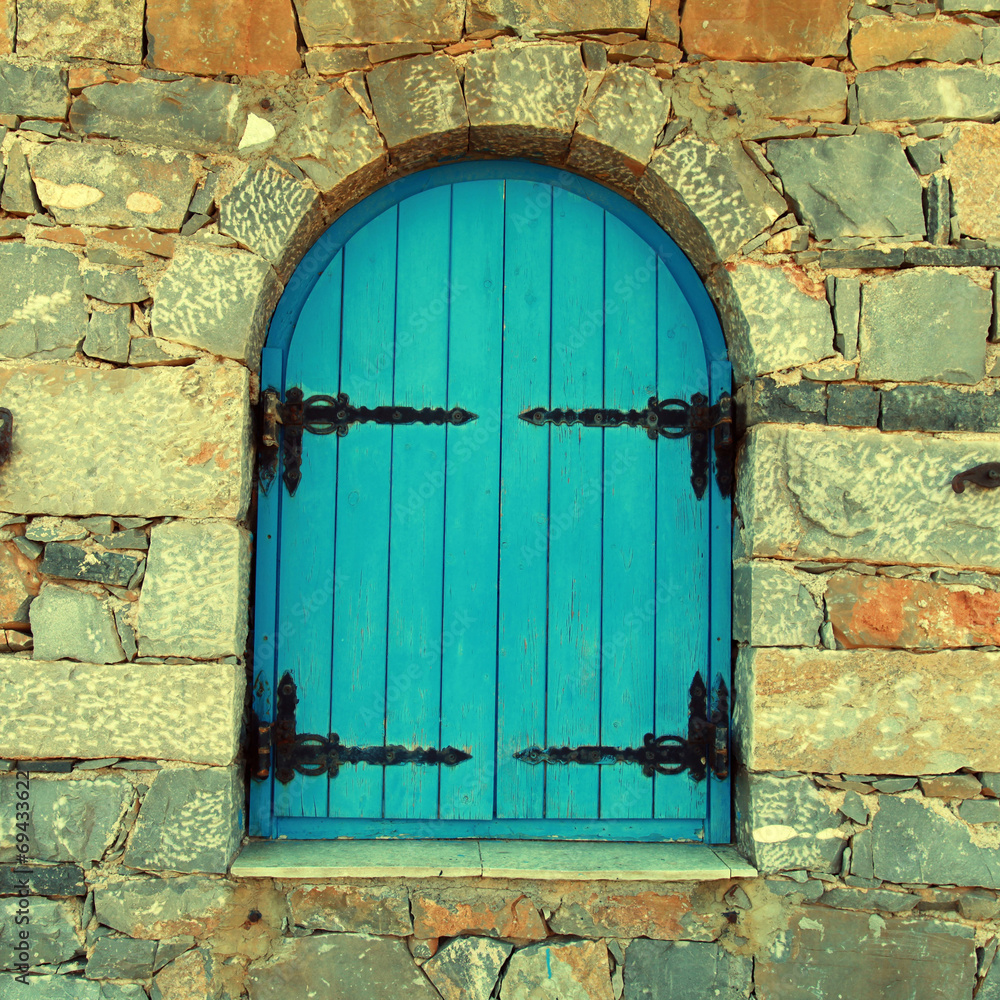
(772, 322)
(19, 196)
(114, 286)
(365, 910)
(180, 114)
(218, 301)
(852, 185)
(665, 970)
(980, 811)
(991, 44)
(467, 968)
(71, 819)
(168, 950)
(121, 958)
(846, 301)
(346, 22)
(123, 991)
(766, 401)
(84, 184)
(60, 987)
(925, 93)
(867, 257)
(710, 198)
(33, 91)
(73, 562)
(153, 908)
(980, 6)
(853, 405)
(71, 624)
(190, 821)
(950, 311)
(522, 100)
(194, 599)
(595, 55)
(525, 16)
(90, 710)
(568, 968)
(925, 156)
(351, 965)
(862, 857)
(938, 208)
(953, 257)
(41, 301)
(773, 608)
(938, 408)
(272, 214)
(869, 899)
(107, 336)
(783, 89)
(42, 880)
(785, 823)
(854, 807)
(53, 930)
(134, 538)
(916, 842)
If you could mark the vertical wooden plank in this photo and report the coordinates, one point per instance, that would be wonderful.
(524, 524)
(681, 551)
(469, 619)
(574, 651)
(416, 532)
(627, 688)
(306, 572)
(362, 499)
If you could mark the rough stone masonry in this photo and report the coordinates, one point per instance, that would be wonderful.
(832, 171)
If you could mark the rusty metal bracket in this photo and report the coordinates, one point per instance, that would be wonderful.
(986, 475)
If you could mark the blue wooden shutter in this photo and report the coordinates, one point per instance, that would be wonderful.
(497, 585)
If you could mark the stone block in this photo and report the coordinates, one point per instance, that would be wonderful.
(19, 196)
(55, 529)
(951, 786)
(665, 970)
(336, 146)
(194, 597)
(451, 912)
(952, 314)
(72, 819)
(121, 958)
(180, 114)
(953, 256)
(939, 408)
(980, 6)
(853, 405)
(81, 29)
(760, 30)
(687, 912)
(340, 965)
(991, 44)
(222, 36)
(885, 41)
(774, 318)
(95, 711)
(191, 820)
(67, 561)
(925, 156)
(980, 811)
(52, 988)
(974, 163)
(272, 214)
(145, 352)
(191, 976)
(867, 257)
(41, 301)
(859, 711)
(8, 25)
(157, 908)
(467, 968)
(783, 90)
(183, 430)
(333, 62)
(19, 582)
(927, 93)
(33, 91)
(220, 301)
(921, 840)
(765, 400)
(420, 109)
(711, 199)
(869, 899)
(352, 22)
(108, 336)
(615, 139)
(355, 909)
(527, 17)
(850, 185)
(522, 100)
(53, 931)
(773, 607)
(93, 185)
(937, 210)
(42, 880)
(664, 23)
(830, 953)
(117, 287)
(71, 624)
(576, 970)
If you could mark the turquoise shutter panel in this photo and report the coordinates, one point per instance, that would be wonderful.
(500, 585)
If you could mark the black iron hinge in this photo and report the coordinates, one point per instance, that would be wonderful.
(669, 418)
(312, 755)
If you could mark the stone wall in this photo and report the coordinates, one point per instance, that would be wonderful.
(831, 170)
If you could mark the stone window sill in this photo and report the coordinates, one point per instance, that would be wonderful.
(526, 859)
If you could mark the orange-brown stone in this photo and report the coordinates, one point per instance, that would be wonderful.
(664, 21)
(765, 30)
(138, 239)
(8, 24)
(449, 913)
(245, 37)
(911, 614)
(974, 162)
(885, 41)
(64, 234)
(18, 581)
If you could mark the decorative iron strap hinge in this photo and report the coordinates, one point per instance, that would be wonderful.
(705, 749)
(669, 418)
(312, 755)
(326, 415)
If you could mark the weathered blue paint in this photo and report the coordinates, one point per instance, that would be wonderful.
(494, 585)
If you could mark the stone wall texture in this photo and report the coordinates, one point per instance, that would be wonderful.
(829, 168)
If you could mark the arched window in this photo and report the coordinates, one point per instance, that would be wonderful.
(503, 577)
